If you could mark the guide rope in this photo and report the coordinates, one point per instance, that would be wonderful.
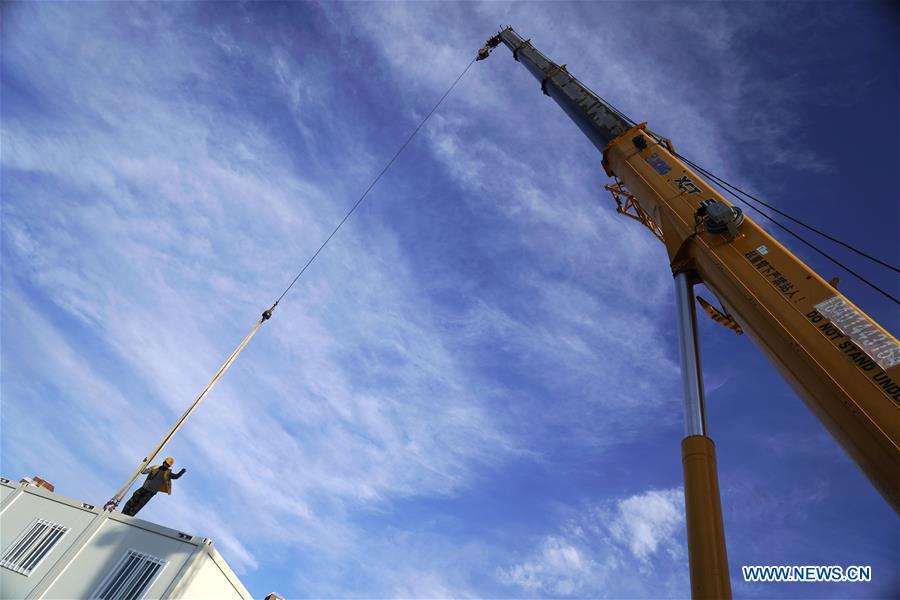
(374, 181)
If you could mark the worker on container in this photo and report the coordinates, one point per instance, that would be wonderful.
(158, 479)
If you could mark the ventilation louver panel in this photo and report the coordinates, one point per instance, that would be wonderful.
(131, 577)
(32, 546)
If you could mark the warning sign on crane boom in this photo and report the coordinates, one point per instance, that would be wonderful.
(881, 347)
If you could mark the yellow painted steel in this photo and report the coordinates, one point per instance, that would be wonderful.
(773, 296)
(703, 511)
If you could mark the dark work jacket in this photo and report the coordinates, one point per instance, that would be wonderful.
(158, 479)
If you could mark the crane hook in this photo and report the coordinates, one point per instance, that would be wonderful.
(489, 45)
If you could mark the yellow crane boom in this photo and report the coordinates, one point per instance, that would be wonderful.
(843, 364)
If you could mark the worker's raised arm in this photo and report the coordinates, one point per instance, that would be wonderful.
(178, 474)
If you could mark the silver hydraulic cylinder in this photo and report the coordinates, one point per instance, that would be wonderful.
(689, 352)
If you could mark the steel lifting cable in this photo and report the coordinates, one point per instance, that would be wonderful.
(374, 181)
(266, 315)
(736, 193)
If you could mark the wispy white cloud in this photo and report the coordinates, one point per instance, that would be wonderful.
(558, 570)
(612, 550)
(649, 521)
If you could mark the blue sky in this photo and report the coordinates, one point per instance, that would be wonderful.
(474, 392)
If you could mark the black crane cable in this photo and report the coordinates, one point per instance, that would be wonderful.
(736, 193)
(795, 220)
(374, 181)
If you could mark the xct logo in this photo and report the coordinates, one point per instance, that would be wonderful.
(686, 185)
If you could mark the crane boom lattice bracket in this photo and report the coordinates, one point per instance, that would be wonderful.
(628, 206)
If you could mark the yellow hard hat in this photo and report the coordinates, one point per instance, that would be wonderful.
(169, 460)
